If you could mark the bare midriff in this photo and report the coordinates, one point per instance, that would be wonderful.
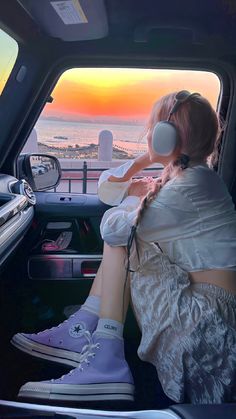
(221, 278)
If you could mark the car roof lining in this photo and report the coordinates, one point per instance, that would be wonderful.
(127, 21)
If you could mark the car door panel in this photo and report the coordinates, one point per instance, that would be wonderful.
(66, 204)
(56, 214)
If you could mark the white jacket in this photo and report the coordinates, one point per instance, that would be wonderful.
(192, 219)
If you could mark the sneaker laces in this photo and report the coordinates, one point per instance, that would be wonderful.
(86, 352)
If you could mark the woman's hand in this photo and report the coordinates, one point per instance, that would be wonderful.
(140, 187)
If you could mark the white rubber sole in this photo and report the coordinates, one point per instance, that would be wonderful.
(38, 350)
(73, 392)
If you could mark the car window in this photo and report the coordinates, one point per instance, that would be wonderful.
(9, 52)
(97, 117)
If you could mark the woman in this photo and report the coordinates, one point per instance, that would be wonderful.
(182, 275)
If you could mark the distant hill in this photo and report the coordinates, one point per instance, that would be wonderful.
(102, 120)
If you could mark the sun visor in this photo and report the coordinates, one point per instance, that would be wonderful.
(69, 20)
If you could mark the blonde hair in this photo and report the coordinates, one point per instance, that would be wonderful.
(198, 127)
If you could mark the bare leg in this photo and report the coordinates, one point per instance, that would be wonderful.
(96, 288)
(112, 285)
(109, 284)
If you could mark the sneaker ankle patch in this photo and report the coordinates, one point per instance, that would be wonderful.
(77, 330)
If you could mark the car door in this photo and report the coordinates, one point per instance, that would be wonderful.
(68, 244)
(63, 247)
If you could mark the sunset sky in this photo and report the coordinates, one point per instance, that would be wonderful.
(123, 93)
(107, 93)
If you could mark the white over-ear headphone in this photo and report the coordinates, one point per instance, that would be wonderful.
(165, 135)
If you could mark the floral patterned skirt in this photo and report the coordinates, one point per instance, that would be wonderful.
(188, 331)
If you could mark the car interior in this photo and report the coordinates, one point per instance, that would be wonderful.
(50, 243)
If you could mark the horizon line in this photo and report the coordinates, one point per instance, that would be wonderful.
(96, 119)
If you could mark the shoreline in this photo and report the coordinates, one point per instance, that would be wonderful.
(89, 151)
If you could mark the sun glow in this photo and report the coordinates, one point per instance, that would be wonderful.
(108, 77)
(126, 94)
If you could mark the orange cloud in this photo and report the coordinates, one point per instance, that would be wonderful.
(124, 93)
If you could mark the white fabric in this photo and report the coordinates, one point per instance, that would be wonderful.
(192, 218)
(112, 193)
(127, 212)
(92, 304)
(109, 327)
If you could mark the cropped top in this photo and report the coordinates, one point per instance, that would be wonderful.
(192, 219)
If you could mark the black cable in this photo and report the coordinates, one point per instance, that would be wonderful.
(128, 270)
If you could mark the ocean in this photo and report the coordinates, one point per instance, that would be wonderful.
(81, 133)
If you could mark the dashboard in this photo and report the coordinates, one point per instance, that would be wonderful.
(17, 202)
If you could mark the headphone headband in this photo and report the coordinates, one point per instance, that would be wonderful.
(180, 98)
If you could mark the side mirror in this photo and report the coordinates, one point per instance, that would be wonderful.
(43, 171)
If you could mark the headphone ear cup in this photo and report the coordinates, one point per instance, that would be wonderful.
(164, 138)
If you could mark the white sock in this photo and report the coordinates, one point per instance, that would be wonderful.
(109, 328)
(92, 304)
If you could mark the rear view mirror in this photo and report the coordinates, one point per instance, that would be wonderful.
(43, 171)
